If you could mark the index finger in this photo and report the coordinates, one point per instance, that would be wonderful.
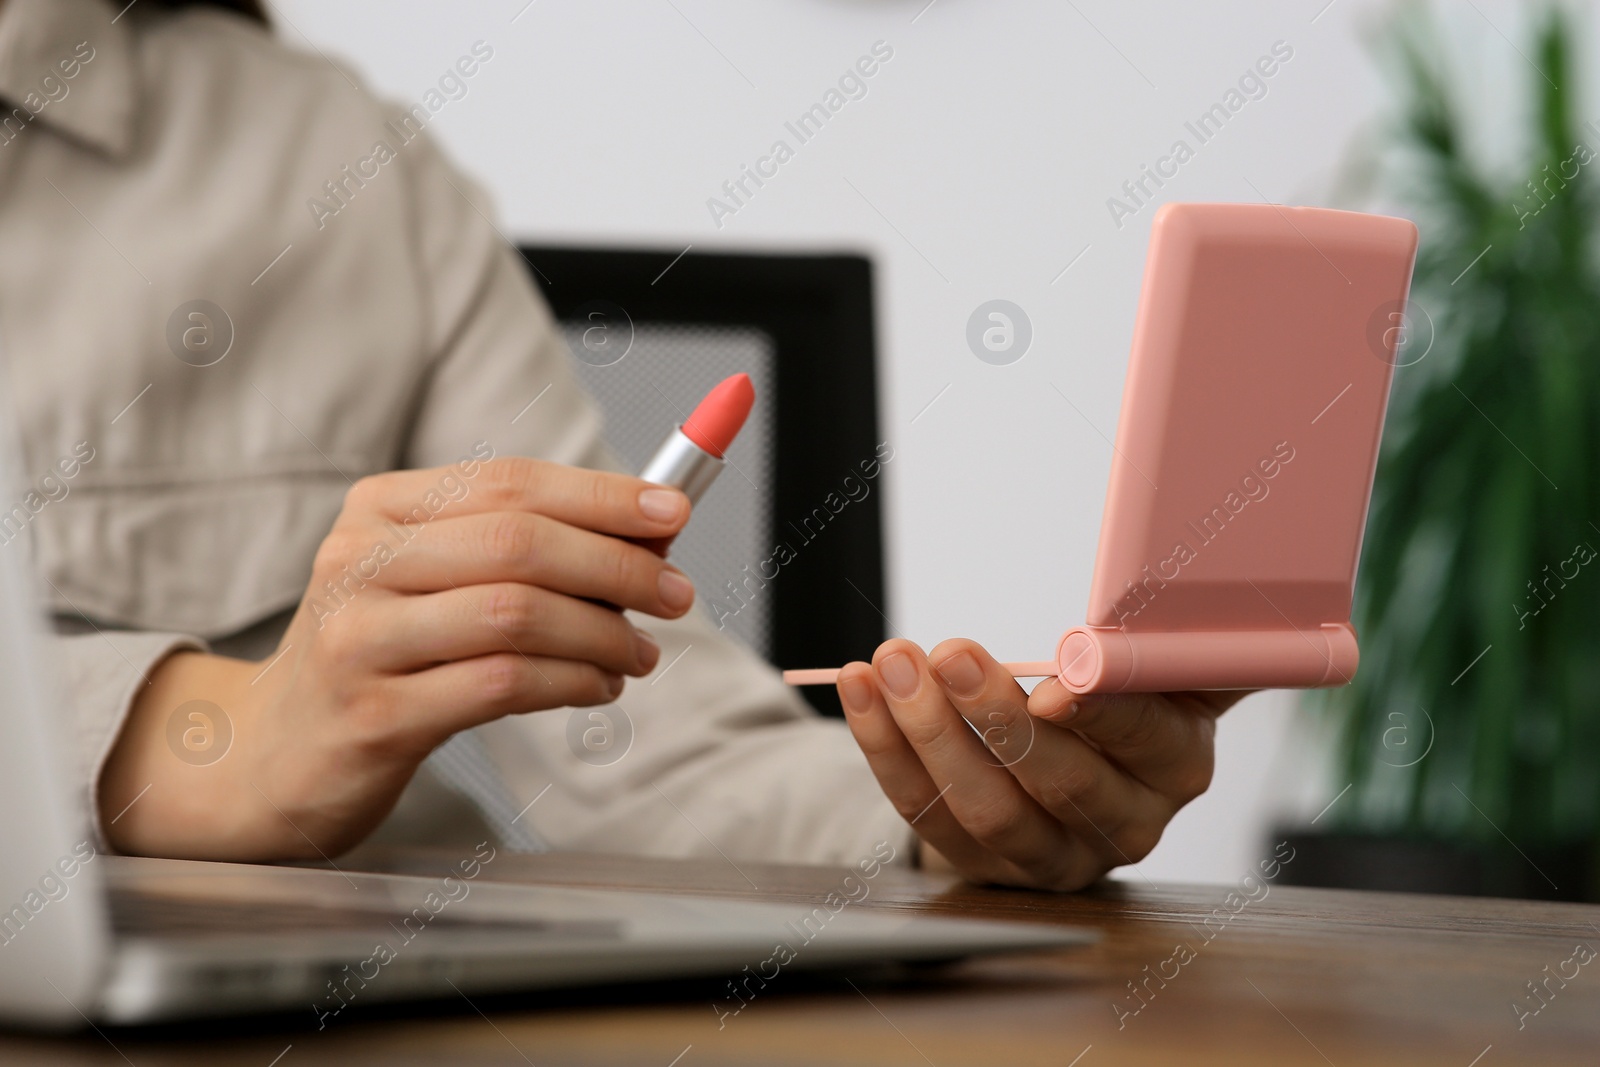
(1147, 734)
(1054, 701)
(603, 501)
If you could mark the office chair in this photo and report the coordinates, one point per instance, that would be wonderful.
(786, 550)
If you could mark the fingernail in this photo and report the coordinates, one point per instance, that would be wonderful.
(662, 505)
(856, 693)
(1071, 712)
(677, 591)
(646, 649)
(962, 674)
(899, 674)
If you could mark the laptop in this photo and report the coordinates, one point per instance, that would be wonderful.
(90, 938)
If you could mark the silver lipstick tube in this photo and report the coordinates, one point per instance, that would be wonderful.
(682, 464)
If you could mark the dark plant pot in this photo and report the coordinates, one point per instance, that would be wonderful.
(1347, 860)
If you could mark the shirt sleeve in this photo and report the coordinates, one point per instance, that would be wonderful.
(721, 756)
(105, 673)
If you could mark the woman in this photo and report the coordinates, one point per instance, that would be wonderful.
(288, 362)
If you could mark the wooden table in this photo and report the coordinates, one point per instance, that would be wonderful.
(1294, 976)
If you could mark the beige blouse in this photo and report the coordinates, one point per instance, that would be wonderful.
(231, 282)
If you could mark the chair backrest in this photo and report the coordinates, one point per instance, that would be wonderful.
(786, 550)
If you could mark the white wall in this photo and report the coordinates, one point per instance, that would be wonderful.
(977, 166)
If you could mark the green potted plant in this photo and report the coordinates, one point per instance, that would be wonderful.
(1471, 735)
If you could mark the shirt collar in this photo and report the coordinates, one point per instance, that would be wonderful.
(41, 41)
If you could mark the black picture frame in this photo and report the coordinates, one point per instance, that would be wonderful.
(828, 601)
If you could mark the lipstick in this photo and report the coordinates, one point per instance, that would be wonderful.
(694, 453)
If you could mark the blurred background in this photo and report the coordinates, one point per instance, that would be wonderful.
(987, 160)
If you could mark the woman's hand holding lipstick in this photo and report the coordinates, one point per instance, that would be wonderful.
(507, 600)
(1049, 791)
(486, 609)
